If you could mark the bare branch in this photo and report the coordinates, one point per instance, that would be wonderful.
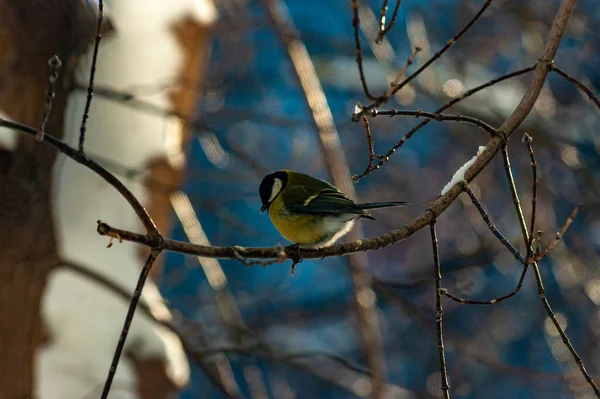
(492, 226)
(588, 92)
(383, 30)
(450, 43)
(561, 331)
(541, 255)
(385, 158)
(514, 194)
(370, 145)
(436, 117)
(54, 63)
(402, 71)
(560, 20)
(439, 311)
(128, 319)
(527, 140)
(359, 59)
(491, 301)
(90, 88)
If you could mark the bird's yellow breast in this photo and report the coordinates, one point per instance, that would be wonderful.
(299, 229)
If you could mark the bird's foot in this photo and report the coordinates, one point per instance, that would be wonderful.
(293, 253)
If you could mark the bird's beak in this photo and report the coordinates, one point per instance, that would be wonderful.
(263, 208)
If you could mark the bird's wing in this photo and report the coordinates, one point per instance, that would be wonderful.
(328, 200)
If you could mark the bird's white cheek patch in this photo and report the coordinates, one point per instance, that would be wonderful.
(277, 183)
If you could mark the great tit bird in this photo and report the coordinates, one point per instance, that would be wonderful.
(311, 212)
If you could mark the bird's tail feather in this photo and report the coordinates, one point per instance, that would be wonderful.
(375, 205)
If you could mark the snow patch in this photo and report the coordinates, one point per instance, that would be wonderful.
(459, 176)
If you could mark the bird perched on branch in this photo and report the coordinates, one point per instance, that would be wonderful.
(311, 212)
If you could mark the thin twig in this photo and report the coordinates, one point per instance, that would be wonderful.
(514, 194)
(382, 15)
(538, 246)
(128, 319)
(527, 140)
(439, 310)
(588, 92)
(561, 331)
(436, 117)
(402, 71)
(359, 59)
(54, 64)
(385, 158)
(383, 30)
(541, 255)
(370, 143)
(492, 226)
(90, 88)
(450, 43)
(492, 301)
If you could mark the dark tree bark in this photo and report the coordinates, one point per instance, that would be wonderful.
(31, 32)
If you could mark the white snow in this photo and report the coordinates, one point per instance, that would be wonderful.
(459, 176)
(84, 319)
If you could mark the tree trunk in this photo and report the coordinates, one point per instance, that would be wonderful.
(31, 32)
(27, 255)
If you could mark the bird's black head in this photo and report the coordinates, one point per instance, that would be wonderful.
(270, 187)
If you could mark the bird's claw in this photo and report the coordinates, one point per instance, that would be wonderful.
(293, 253)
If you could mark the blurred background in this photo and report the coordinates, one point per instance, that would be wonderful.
(258, 121)
(264, 333)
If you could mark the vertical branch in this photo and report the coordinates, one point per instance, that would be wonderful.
(383, 30)
(359, 60)
(370, 144)
(538, 276)
(364, 297)
(90, 89)
(54, 64)
(513, 193)
(128, 319)
(439, 310)
(527, 140)
(382, 16)
(561, 331)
